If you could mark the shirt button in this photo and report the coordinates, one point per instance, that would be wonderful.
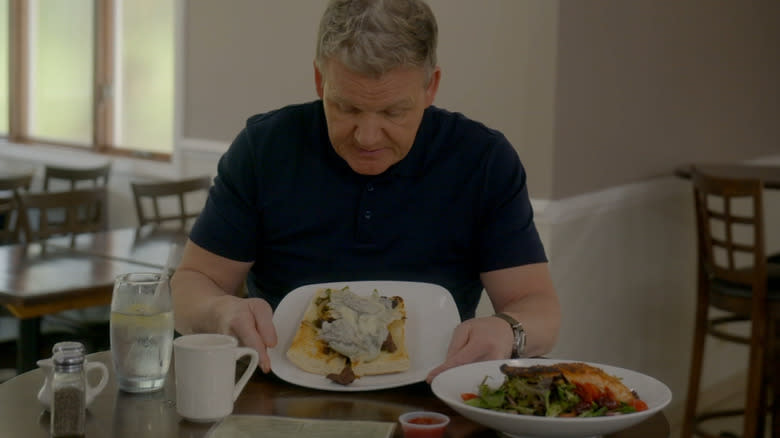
(367, 215)
(370, 187)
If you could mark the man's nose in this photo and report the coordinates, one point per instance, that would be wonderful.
(368, 131)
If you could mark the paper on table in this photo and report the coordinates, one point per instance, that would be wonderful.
(284, 427)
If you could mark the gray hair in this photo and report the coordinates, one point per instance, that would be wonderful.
(373, 37)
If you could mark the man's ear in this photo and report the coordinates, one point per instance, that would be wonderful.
(318, 79)
(433, 87)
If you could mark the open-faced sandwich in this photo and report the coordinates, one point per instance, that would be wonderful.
(344, 336)
(560, 390)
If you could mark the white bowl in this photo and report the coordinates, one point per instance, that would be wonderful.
(450, 384)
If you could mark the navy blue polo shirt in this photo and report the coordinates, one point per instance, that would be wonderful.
(455, 206)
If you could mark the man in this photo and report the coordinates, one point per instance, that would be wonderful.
(370, 183)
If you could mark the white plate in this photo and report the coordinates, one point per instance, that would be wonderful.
(430, 311)
(449, 385)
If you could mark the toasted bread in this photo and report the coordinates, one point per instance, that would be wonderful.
(311, 353)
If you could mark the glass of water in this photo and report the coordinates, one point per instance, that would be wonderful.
(141, 330)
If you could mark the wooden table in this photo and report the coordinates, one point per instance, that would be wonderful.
(148, 245)
(60, 274)
(117, 414)
(38, 280)
(769, 175)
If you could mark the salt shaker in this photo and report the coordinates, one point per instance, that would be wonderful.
(68, 408)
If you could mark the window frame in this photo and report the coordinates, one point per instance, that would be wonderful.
(103, 105)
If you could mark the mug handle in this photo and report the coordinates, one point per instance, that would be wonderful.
(92, 391)
(254, 357)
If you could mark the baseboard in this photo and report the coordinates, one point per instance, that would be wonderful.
(722, 393)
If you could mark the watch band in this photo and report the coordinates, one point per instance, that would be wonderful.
(518, 345)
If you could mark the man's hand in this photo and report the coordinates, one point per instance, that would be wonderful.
(535, 305)
(249, 320)
(204, 301)
(477, 339)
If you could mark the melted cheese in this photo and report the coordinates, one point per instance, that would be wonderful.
(360, 325)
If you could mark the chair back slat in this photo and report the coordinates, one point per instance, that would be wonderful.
(48, 214)
(92, 177)
(157, 193)
(10, 218)
(14, 183)
(729, 217)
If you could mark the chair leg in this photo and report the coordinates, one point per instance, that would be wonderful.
(28, 344)
(755, 403)
(774, 375)
(697, 359)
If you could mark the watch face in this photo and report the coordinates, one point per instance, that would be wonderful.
(521, 341)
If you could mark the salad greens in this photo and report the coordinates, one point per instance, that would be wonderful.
(551, 396)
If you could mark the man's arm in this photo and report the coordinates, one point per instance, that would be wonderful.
(204, 301)
(527, 294)
(524, 292)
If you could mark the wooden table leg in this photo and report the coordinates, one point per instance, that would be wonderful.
(28, 344)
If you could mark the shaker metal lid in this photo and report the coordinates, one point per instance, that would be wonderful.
(68, 346)
(68, 359)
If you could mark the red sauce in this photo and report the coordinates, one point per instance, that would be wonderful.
(426, 420)
(426, 431)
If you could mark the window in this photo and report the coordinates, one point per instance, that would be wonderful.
(94, 74)
(4, 63)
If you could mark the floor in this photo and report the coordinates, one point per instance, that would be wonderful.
(729, 427)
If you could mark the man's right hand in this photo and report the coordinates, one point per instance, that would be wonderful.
(204, 301)
(249, 320)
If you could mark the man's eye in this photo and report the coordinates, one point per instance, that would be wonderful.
(394, 113)
(347, 109)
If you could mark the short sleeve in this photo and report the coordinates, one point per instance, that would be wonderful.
(228, 224)
(507, 233)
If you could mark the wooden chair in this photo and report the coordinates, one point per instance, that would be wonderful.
(150, 200)
(10, 219)
(8, 214)
(76, 177)
(735, 278)
(48, 214)
(67, 213)
(10, 230)
(60, 178)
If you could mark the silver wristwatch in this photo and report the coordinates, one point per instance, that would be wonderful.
(518, 345)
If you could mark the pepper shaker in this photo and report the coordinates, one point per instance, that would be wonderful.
(68, 408)
(68, 346)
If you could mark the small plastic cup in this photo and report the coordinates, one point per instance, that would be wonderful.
(423, 424)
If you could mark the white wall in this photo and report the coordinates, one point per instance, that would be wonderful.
(497, 57)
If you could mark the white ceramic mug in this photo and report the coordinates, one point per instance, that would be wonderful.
(205, 369)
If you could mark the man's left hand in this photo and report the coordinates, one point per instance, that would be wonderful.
(476, 340)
